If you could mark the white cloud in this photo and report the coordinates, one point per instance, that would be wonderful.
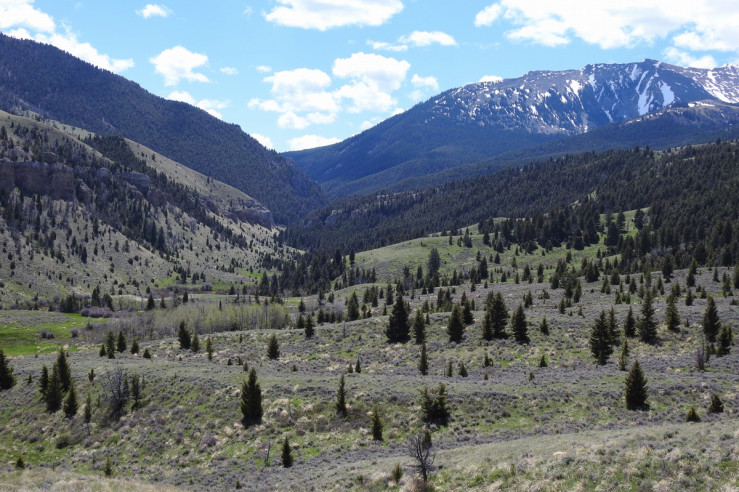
(208, 105)
(426, 38)
(153, 10)
(491, 78)
(429, 81)
(373, 78)
(178, 63)
(679, 57)
(264, 69)
(247, 11)
(266, 141)
(326, 14)
(20, 19)
(416, 96)
(229, 70)
(310, 141)
(383, 46)
(699, 25)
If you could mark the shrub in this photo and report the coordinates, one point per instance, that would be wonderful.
(692, 416)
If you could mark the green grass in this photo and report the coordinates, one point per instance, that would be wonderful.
(20, 331)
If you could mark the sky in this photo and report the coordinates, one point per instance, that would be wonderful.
(298, 74)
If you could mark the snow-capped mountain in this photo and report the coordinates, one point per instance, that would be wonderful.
(481, 121)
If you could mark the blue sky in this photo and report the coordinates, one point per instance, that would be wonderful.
(301, 73)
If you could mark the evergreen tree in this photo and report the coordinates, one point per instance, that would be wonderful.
(88, 409)
(358, 367)
(110, 345)
(636, 388)
(65, 373)
(711, 323)
(102, 350)
(455, 327)
(135, 346)
(397, 328)
(53, 395)
(352, 307)
(600, 340)
(630, 324)
(692, 416)
(183, 336)
(341, 398)
(623, 359)
(725, 340)
(612, 324)
(419, 327)
(498, 314)
(108, 468)
(423, 363)
(43, 383)
(147, 354)
(273, 348)
(121, 343)
(487, 326)
(309, 329)
(195, 343)
(376, 424)
(434, 263)
(462, 370)
(467, 313)
(544, 326)
(6, 372)
(251, 400)
(209, 348)
(645, 325)
(287, 454)
(717, 406)
(543, 361)
(150, 303)
(519, 326)
(672, 318)
(433, 405)
(70, 402)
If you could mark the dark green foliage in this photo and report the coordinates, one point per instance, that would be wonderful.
(6, 373)
(543, 361)
(630, 324)
(397, 329)
(65, 373)
(102, 350)
(449, 369)
(717, 406)
(636, 391)
(519, 326)
(672, 318)
(434, 405)
(646, 326)
(623, 358)
(121, 343)
(341, 398)
(20, 464)
(692, 416)
(544, 326)
(108, 468)
(43, 382)
(251, 400)
(110, 345)
(496, 316)
(183, 336)
(195, 343)
(352, 307)
(434, 262)
(423, 363)
(455, 326)
(358, 367)
(419, 327)
(376, 424)
(711, 322)
(147, 354)
(462, 370)
(309, 328)
(725, 339)
(273, 348)
(287, 454)
(135, 346)
(150, 303)
(612, 324)
(209, 348)
(87, 416)
(600, 340)
(53, 394)
(70, 403)
(397, 473)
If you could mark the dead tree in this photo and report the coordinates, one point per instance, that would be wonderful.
(420, 451)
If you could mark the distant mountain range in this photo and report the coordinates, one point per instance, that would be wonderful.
(45, 80)
(542, 112)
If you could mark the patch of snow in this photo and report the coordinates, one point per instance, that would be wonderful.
(575, 86)
(564, 101)
(668, 97)
(635, 72)
(591, 81)
(533, 109)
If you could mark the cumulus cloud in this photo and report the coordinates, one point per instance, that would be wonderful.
(430, 82)
(491, 78)
(210, 106)
(264, 69)
(327, 14)
(680, 57)
(20, 19)
(266, 141)
(153, 10)
(179, 63)
(383, 46)
(229, 70)
(701, 25)
(415, 39)
(373, 79)
(310, 141)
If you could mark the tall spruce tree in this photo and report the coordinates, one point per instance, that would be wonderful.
(423, 363)
(6, 372)
(65, 373)
(419, 327)
(43, 383)
(636, 391)
(672, 318)
(287, 454)
(498, 314)
(341, 398)
(183, 336)
(630, 324)
(455, 327)
(70, 402)
(645, 325)
(273, 348)
(53, 395)
(376, 424)
(397, 329)
(711, 322)
(600, 340)
(251, 400)
(110, 345)
(121, 343)
(519, 326)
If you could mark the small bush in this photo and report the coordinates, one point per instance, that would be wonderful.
(692, 416)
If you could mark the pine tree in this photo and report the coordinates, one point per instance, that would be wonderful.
(43, 383)
(251, 400)
(544, 326)
(65, 373)
(519, 326)
(419, 327)
(612, 324)
(672, 318)
(397, 329)
(600, 341)
(645, 325)
(147, 354)
(543, 361)
(88, 409)
(70, 402)
(376, 424)
(273, 348)
(630, 324)
(341, 398)
(102, 350)
(195, 343)
(423, 363)
(711, 323)
(121, 343)
(110, 345)
(717, 406)
(498, 314)
(433, 405)
(209, 348)
(455, 327)
(462, 370)
(623, 358)
(636, 388)
(6, 372)
(352, 307)
(53, 394)
(135, 346)
(692, 416)
(487, 326)
(309, 328)
(150, 303)
(358, 367)
(725, 339)
(287, 455)
(183, 336)
(108, 468)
